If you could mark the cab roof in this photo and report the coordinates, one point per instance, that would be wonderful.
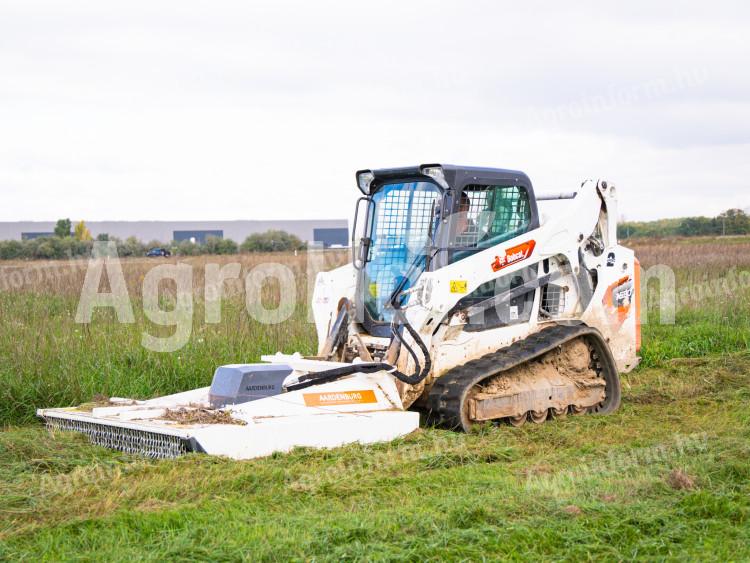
(455, 176)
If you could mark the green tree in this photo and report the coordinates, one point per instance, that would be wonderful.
(218, 245)
(272, 241)
(696, 226)
(187, 248)
(63, 228)
(733, 222)
(11, 249)
(46, 249)
(131, 246)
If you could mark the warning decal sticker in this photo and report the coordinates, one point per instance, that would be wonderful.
(458, 286)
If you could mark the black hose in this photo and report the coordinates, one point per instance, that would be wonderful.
(418, 374)
(333, 374)
(399, 320)
(409, 349)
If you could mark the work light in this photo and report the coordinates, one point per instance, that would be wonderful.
(435, 172)
(364, 179)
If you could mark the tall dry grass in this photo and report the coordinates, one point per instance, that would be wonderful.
(47, 358)
(711, 254)
(65, 277)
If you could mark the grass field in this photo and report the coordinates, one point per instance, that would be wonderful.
(667, 477)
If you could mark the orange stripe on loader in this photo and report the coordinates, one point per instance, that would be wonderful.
(637, 305)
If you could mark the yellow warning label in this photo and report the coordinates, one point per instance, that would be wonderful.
(458, 286)
(374, 289)
(339, 398)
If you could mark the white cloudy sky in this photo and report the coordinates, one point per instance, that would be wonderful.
(250, 110)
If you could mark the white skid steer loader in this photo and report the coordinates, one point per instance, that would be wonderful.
(468, 299)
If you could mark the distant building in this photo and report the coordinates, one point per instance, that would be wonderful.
(29, 236)
(196, 236)
(329, 232)
(332, 236)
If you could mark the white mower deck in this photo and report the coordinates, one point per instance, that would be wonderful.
(363, 408)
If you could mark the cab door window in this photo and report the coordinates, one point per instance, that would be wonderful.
(488, 215)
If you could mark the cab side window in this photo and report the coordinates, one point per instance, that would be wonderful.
(489, 215)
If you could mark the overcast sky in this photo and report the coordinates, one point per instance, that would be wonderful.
(253, 110)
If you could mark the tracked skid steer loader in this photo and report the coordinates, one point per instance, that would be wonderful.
(469, 299)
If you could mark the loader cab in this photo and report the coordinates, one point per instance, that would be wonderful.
(423, 218)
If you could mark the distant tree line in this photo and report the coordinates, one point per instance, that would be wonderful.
(730, 222)
(76, 242)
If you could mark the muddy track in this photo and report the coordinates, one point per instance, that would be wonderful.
(447, 399)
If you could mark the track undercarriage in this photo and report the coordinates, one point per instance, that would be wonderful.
(559, 370)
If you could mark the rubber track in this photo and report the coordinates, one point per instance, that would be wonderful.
(447, 397)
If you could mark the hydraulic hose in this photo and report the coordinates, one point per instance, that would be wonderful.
(418, 374)
(399, 320)
(333, 374)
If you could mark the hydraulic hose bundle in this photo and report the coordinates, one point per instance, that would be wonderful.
(399, 322)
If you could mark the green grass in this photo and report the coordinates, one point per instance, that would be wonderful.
(696, 334)
(584, 487)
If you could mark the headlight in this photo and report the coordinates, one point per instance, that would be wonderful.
(435, 172)
(364, 179)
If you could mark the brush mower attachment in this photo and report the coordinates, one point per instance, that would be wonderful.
(364, 408)
(467, 297)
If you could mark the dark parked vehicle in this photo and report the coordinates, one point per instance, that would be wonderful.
(159, 252)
